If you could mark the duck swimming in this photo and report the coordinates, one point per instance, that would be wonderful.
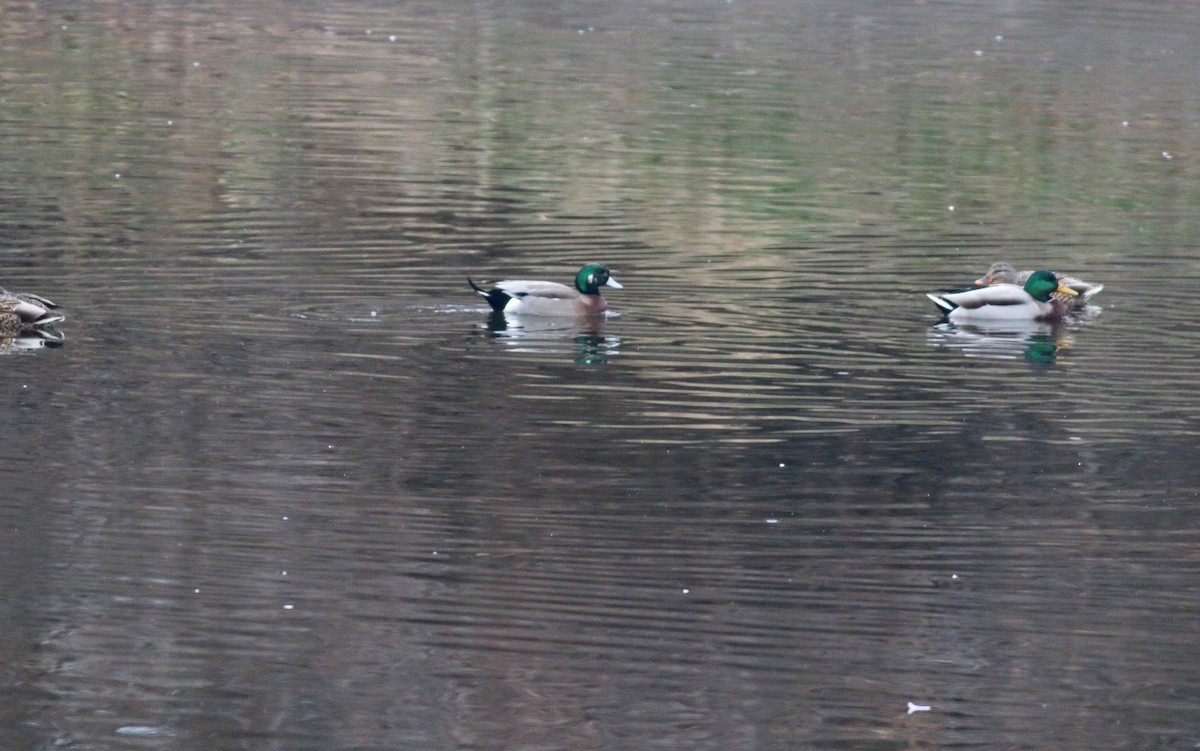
(1003, 272)
(27, 313)
(1008, 302)
(530, 298)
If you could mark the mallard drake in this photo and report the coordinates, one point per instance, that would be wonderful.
(521, 297)
(1007, 302)
(1003, 272)
(27, 313)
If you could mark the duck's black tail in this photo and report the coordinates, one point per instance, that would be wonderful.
(496, 298)
(944, 306)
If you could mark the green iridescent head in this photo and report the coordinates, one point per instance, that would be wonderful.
(1041, 284)
(592, 277)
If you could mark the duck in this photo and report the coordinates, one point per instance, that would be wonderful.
(530, 298)
(1035, 301)
(25, 313)
(1003, 272)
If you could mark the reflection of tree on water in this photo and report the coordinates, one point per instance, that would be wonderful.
(581, 337)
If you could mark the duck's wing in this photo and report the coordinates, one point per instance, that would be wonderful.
(22, 306)
(28, 307)
(29, 297)
(29, 311)
(999, 295)
(1084, 289)
(523, 288)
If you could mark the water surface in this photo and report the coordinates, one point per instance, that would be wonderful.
(287, 484)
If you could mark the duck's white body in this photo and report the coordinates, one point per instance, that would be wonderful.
(999, 302)
(534, 298)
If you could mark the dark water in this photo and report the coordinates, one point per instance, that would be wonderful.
(285, 486)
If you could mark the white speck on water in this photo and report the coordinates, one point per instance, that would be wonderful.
(196, 64)
(1074, 438)
(391, 37)
(374, 313)
(138, 730)
(1124, 123)
(284, 518)
(116, 175)
(918, 707)
(953, 576)
(950, 207)
(999, 37)
(686, 590)
(772, 521)
(978, 53)
(289, 606)
(1168, 155)
(196, 590)
(782, 464)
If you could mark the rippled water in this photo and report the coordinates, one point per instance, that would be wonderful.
(287, 484)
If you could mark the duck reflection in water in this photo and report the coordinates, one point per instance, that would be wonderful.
(1035, 341)
(582, 337)
(24, 342)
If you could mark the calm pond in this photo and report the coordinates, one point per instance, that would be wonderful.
(287, 485)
